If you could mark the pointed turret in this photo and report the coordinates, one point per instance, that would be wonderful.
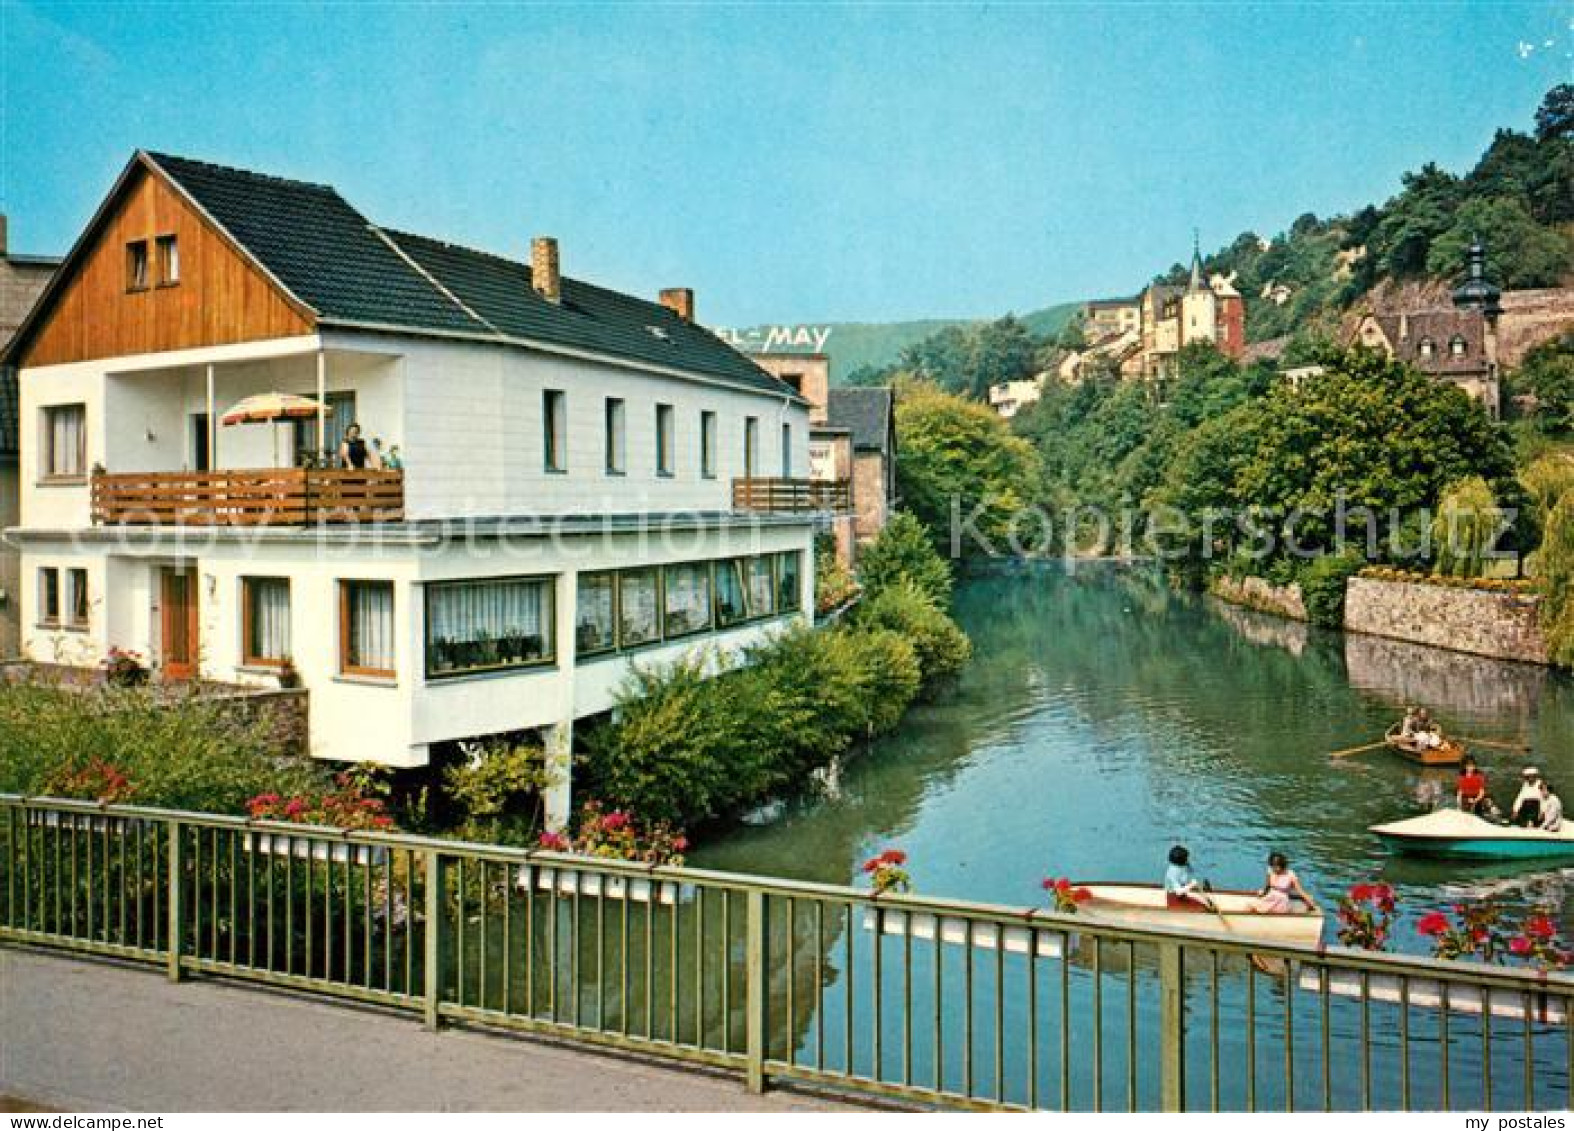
(1196, 261)
(1476, 292)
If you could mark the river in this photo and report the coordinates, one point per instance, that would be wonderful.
(1105, 718)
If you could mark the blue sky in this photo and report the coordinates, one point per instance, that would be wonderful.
(794, 162)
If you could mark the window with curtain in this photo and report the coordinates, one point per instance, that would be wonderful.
(49, 596)
(789, 581)
(79, 598)
(265, 617)
(366, 627)
(762, 587)
(65, 441)
(474, 626)
(137, 265)
(731, 607)
(595, 614)
(688, 604)
(639, 613)
(168, 261)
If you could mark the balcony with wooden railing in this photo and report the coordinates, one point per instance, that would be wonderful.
(282, 496)
(793, 496)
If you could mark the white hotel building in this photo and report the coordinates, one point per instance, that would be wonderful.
(576, 465)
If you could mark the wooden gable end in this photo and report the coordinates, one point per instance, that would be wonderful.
(220, 298)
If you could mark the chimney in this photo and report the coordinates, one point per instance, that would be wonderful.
(544, 276)
(679, 300)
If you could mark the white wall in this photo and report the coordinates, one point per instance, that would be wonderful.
(473, 435)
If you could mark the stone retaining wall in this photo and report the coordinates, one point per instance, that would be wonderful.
(1503, 626)
(1255, 593)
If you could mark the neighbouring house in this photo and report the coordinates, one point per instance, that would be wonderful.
(579, 485)
(1104, 317)
(852, 450)
(22, 279)
(1174, 317)
(1120, 352)
(1457, 344)
(1010, 397)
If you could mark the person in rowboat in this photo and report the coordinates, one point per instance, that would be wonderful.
(1182, 888)
(1527, 803)
(1281, 888)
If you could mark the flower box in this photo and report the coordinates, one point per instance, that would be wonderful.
(83, 822)
(568, 882)
(307, 848)
(986, 936)
(1427, 993)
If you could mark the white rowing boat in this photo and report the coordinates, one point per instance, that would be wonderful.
(1148, 905)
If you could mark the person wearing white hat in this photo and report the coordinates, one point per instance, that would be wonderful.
(1527, 805)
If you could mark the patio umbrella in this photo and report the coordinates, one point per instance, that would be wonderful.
(270, 408)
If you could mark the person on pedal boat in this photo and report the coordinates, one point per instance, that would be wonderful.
(1527, 803)
(1182, 888)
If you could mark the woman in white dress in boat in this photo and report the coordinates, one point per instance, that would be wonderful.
(1281, 888)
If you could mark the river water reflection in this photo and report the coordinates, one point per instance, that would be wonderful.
(1106, 717)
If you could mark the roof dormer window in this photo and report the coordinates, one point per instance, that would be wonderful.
(1456, 346)
(1427, 348)
(658, 332)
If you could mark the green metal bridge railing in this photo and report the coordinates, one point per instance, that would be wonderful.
(929, 1000)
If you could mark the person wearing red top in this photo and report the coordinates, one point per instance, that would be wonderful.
(1470, 792)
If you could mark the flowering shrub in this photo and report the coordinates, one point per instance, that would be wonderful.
(1537, 943)
(1482, 932)
(887, 873)
(347, 807)
(124, 668)
(1366, 916)
(1476, 933)
(615, 835)
(1065, 896)
(97, 781)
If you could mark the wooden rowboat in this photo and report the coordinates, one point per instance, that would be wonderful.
(1451, 753)
(1450, 833)
(1148, 905)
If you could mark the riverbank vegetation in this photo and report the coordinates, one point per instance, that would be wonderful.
(690, 744)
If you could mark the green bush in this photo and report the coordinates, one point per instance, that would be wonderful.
(942, 649)
(189, 754)
(903, 552)
(1323, 587)
(688, 747)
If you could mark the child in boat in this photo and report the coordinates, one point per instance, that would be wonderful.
(1470, 790)
(1181, 886)
(1281, 886)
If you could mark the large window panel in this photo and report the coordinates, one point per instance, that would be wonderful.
(639, 607)
(478, 626)
(366, 628)
(595, 616)
(731, 607)
(265, 628)
(789, 581)
(762, 587)
(688, 603)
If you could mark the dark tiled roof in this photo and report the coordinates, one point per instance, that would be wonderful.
(1269, 349)
(350, 271)
(866, 413)
(589, 317)
(1408, 332)
(327, 254)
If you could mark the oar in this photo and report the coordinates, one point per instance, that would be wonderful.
(1358, 749)
(1520, 747)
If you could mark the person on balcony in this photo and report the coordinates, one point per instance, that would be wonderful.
(354, 452)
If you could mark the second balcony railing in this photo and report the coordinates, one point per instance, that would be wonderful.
(793, 496)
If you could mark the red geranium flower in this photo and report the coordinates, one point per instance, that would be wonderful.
(1540, 927)
(1521, 945)
(1360, 893)
(1433, 924)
